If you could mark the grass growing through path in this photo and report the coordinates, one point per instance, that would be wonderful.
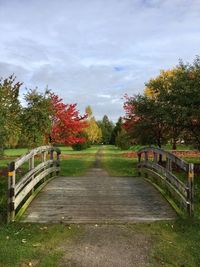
(116, 164)
(75, 166)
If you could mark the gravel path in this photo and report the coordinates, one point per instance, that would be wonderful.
(107, 246)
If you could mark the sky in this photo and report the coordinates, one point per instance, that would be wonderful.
(92, 52)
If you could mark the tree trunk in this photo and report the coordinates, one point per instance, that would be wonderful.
(174, 144)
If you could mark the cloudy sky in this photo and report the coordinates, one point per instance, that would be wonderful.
(92, 52)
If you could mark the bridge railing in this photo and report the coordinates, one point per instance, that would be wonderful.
(42, 163)
(159, 164)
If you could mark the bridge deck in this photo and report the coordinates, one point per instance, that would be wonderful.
(98, 198)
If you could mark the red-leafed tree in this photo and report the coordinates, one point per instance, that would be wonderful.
(67, 123)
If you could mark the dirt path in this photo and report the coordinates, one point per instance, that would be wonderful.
(107, 246)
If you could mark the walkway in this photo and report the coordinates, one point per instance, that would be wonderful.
(98, 198)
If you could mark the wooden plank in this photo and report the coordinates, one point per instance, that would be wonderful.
(98, 199)
(31, 154)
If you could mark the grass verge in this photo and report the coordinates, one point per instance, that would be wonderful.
(39, 245)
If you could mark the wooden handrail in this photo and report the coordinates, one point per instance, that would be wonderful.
(182, 192)
(20, 191)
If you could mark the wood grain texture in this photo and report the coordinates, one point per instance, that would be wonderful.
(98, 198)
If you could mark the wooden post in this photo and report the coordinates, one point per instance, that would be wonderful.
(58, 161)
(191, 189)
(51, 158)
(169, 164)
(31, 166)
(155, 157)
(139, 160)
(146, 156)
(43, 158)
(11, 192)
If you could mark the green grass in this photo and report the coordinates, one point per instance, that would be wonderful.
(15, 152)
(174, 244)
(69, 151)
(120, 166)
(24, 243)
(75, 166)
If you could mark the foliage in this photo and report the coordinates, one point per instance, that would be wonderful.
(169, 108)
(67, 123)
(116, 130)
(36, 122)
(10, 110)
(123, 140)
(93, 131)
(144, 120)
(106, 127)
(83, 144)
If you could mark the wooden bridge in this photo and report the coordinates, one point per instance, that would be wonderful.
(96, 197)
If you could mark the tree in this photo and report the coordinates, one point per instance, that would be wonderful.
(67, 123)
(116, 130)
(10, 110)
(144, 120)
(178, 91)
(36, 117)
(106, 127)
(159, 89)
(93, 131)
(123, 139)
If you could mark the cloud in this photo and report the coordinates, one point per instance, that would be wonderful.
(104, 96)
(84, 49)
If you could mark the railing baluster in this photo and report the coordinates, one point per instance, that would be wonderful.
(191, 188)
(11, 192)
(31, 167)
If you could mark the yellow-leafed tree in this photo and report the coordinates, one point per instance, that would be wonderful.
(93, 131)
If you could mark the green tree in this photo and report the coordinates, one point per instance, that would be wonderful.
(177, 90)
(10, 110)
(116, 130)
(106, 127)
(123, 139)
(36, 117)
(145, 120)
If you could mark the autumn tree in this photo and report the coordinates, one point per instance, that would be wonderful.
(93, 131)
(10, 110)
(67, 123)
(178, 91)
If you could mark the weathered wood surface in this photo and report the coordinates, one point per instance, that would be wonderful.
(183, 192)
(98, 198)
